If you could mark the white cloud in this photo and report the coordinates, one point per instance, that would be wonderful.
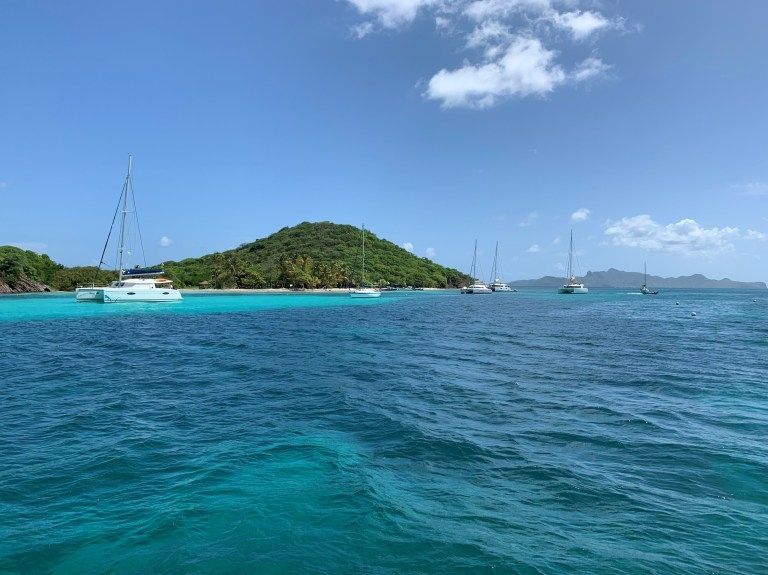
(430, 253)
(362, 30)
(38, 247)
(556, 241)
(588, 69)
(526, 68)
(685, 237)
(581, 25)
(752, 189)
(509, 44)
(164, 242)
(483, 9)
(534, 249)
(529, 219)
(3, 185)
(392, 13)
(580, 215)
(755, 235)
(407, 246)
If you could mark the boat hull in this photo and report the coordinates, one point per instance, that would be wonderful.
(572, 290)
(476, 290)
(120, 295)
(364, 293)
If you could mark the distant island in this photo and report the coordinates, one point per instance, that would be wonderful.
(614, 278)
(308, 255)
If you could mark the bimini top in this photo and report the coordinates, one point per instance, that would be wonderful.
(142, 272)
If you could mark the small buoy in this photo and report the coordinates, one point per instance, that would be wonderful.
(677, 303)
(693, 313)
(754, 299)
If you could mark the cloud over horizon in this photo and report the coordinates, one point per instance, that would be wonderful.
(684, 237)
(514, 47)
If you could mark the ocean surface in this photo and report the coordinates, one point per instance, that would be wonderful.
(423, 432)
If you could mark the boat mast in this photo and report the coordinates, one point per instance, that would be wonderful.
(570, 258)
(362, 278)
(122, 223)
(645, 274)
(495, 262)
(474, 263)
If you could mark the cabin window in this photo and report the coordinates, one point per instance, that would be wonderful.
(131, 293)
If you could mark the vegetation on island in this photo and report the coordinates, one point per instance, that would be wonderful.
(309, 255)
(27, 271)
(312, 255)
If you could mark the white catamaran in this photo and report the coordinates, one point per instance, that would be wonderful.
(477, 286)
(132, 285)
(496, 283)
(363, 291)
(572, 286)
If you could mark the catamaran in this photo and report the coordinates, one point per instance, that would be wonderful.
(477, 286)
(363, 291)
(496, 283)
(644, 289)
(139, 284)
(572, 286)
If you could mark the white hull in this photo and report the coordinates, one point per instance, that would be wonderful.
(568, 289)
(364, 292)
(476, 289)
(501, 287)
(120, 295)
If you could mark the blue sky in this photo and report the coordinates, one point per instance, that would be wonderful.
(639, 124)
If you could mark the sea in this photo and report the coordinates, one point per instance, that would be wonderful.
(423, 432)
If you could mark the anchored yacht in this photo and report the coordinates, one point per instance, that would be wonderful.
(363, 291)
(477, 286)
(573, 286)
(137, 284)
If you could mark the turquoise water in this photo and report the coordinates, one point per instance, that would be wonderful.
(419, 433)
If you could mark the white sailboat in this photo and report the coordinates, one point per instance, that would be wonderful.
(644, 288)
(132, 285)
(363, 291)
(573, 286)
(477, 286)
(496, 284)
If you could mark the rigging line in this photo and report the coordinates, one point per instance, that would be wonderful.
(138, 226)
(106, 243)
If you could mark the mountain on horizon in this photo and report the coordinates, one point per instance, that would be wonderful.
(613, 278)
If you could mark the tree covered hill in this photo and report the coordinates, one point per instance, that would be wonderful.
(27, 271)
(321, 254)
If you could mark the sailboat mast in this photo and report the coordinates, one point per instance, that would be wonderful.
(495, 263)
(122, 223)
(570, 258)
(645, 273)
(362, 279)
(474, 264)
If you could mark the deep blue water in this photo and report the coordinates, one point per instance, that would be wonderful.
(421, 433)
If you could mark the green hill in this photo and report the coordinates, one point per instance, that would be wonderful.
(26, 271)
(321, 254)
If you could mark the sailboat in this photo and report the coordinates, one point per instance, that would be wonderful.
(133, 285)
(363, 291)
(477, 286)
(644, 289)
(572, 286)
(496, 283)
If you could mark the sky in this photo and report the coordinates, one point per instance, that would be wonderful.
(639, 125)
